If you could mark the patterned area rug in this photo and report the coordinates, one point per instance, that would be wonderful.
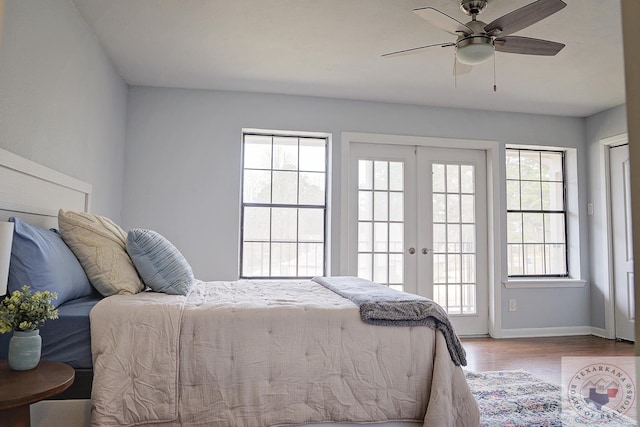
(518, 398)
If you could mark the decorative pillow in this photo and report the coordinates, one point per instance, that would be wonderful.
(41, 260)
(160, 264)
(99, 245)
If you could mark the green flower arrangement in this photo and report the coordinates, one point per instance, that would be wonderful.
(26, 311)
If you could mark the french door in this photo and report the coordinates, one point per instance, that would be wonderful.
(419, 221)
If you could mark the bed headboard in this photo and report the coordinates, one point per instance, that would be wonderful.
(35, 193)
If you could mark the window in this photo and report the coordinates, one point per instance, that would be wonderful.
(536, 214)
(284, 206)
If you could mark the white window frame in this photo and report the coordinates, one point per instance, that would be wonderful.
(327, 204)
(574, 279)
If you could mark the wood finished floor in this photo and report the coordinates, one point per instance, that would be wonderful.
(540, 356)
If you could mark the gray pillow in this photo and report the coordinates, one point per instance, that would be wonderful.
(159, 263)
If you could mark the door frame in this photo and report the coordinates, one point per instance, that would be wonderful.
(495, 176)
(607, 250)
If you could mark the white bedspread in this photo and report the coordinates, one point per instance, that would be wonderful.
(262, 354)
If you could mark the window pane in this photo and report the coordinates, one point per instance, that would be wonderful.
(396, 176)
(396, 268)
(453, 178)
(284, 224)
(453, 238)
(256, 257)
(381, 175)
(530, 165)
(285, 187)
(396, 237)
(454, 299)
(467, 179)
(530, 198)
(439, 268)
(365, 264)
(257, 152)
(284, 259)
(453, 208)
(313, 155)
(311, 225)
(380, 205)
(468, 269)
(312, 188)
(468, 238)
(396, 206)
(365, 174)
(257, 186)
(468, 299)
(514, 228)
(552, 196)
(380, 237)
(438, 178)
(285, 153)
(534, 259)
(365, 205)
(439, 237)
(513, 164)
(439, 208)
(513, 195)
(440, 295)
(454, 269)
(533, 228)
(468, 208)
(257, 223)
(554, 230)
(556, 259)
(551, 166)
(310, 259)
(365, 237)
(515, 254)
(380, 268)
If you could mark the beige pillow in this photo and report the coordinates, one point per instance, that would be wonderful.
(99, 245)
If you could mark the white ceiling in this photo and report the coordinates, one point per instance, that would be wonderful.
(333, 48)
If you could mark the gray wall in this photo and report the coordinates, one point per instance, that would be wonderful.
(182, 171)
(62, 103)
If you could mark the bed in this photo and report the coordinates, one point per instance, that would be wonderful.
(246, 353)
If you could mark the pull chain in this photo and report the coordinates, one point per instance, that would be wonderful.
(495, 88)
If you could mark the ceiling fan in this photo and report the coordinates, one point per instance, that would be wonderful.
(477, 40)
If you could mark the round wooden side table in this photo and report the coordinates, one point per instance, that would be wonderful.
(19, 389)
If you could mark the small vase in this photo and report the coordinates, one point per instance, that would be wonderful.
(24, 350)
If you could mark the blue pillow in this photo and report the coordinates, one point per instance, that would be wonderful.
(41, 260)
(159, 263)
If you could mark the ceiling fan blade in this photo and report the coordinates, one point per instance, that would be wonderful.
(443, 21)
(527, 46)
(416, 49)
(523, 17)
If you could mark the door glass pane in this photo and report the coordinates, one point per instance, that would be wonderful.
(454, 238)
(381, 222)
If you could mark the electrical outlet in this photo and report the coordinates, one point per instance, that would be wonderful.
(512, 304)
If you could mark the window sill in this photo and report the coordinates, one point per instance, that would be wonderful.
(543, 283)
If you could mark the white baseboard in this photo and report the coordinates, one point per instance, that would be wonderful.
(61, 413)
(547, 332)
(602, 333)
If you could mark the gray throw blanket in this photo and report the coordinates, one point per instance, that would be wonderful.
(382, 305)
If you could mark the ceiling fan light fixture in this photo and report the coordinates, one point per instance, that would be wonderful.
(474, 50)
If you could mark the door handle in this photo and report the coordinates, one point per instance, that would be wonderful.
(412, 251)
(425, 251)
